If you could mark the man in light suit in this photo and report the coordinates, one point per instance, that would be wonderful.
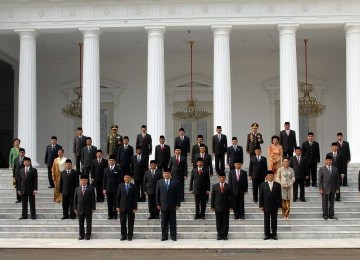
(339, 162)
(219, 147)
(98, 167)
(162, 153)
(138, 168)
(50, 154)
(196, 149)
(124, 155)
(298, 163)
(329, 184)
(145, 141)
(257, 172)
(179, 170)
(310, 149)
(344, 149)
(87, 155)
(234, 153)
(79, 144)
(183, 142)
(287, 140)
(84, 206)
(152, 176)
(253, 140)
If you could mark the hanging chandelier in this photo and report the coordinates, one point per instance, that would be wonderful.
(309, 105)
(74, 108)
(191, 111)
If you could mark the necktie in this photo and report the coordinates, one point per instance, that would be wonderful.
(235, 147)
(237, 175)
(153, 173)
(287, 132)
(271, 185)
(83, 189)
(258, 158)
(125, 147)
(68, 172)
(219, 137)
(182, 138)
(177, 160)
(222, 187)
(167, 185)
(298, 159)
(139, 158)
(53, 147)
(99, 161)
(329, 168)
(202, 155)
(127, 189)
(334, 156)
(162, 147)
(89, 148)
(26, 172)
(200, 171)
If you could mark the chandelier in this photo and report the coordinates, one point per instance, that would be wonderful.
(74, 108)
(309, 105)
(191, 111)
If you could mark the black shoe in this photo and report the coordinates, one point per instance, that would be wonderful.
(50, 187)
(110, 217)
(81, 238)
(307, 185)
(225, 238)
(255, 201)
(332, 217)
(196, 217)
(326, 217)
(294, 200)
(164, 238)
(18, 201)
(87, 238)
(151, 217)
(303, 200)
(338, 199)
(65, 218)
(219, 238)
(314, 185)
(22, 218)
(115, 217)
(236, 217)
(123, 238)
(129, 238)
(242, 217)
(33, 218)
(266, 238)
(173, 239)
(274, 237)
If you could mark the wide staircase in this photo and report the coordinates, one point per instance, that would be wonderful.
(305, 218)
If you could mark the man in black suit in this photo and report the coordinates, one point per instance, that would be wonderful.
(183, 142)
(238, 182)
(253, 140)
(339, 162)
(18, 165)
(144, 140)
(126, 206)
(51, 153)
(270, 203)
(27, 188)
(234, 153)
(124, 156)
(162, 153)
(98, 167)
(112, 178)
(150, 181)
(222, 204)
(69, 180)
(168, 202)
(200, 187)
(298, 163)
(257, 172)
(344, 149)
(310, 149)
(207, 161)
(196, 149)
(219, 146)
(138, 168)
(287, 140)
(87, 155)
(79, 144)
(84, 206)
(179, 170)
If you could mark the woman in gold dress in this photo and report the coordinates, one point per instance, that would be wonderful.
(57, 168)
(275, 153)
(286, 177)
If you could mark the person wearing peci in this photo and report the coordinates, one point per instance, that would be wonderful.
(344, 149)
(234, 153)
(56, 169)
(179, 170)
(125, 153)
(162, 153)
(196, 149)
(287, 140)
(339, 162)
(152, 176)
(98, 167)
(286, 177)
(114, 141)
(207, 161)
(253, 140)
(138, 168)
(87, 155)
(51, 152)
(219, 148)
(298, 163)
(79, 144)
(310, 149)
(145, 141)
(275, 153)
(183, 142)
(18, 165)
(257, 172)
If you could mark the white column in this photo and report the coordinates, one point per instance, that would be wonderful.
(222, 80)
(27, 94)
(155, 84)
(91, 85)
(289, 109)
(353, 89)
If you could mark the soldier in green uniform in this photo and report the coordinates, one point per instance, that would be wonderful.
(114, 140)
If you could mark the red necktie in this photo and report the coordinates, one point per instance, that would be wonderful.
(221, 187)
(26, 172)
(237, 175)
(162, 147)
(177, 160)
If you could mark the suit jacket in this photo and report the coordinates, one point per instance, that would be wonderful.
(221, 201)
(127, 201)
(311, 152)
(196, 150)
(178, 171)
(162, 156)
(299, 169)
(18, 165)
(339, 162)
(97, 170)
(124, 155)
(253, 142)
(138, 169)
(68, 183)
(258, 170)
(270, 200)
(241, 186)
(84, 204)
(145, 143)
(344, 149)
(87, 156)
(288, 142)
(207, 162)
(150, 181)
(112, 179)
(27, 184)
(329, 182)
(167, 199)
(79, 144)
(219, 146)
(51, 154)
(199, 183)
(234, 155)
(184, 145)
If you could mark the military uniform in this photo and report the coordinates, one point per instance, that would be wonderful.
(253, 140)
(113, 142)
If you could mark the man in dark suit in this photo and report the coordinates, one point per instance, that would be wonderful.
(270, 203)
(196, 149)
(168, 202)
(144, 140)
(219, 147)
(69, 180)
(18, 165)
(344, 149)
(150, 181)
(207, 161)
(27, 188)
(51, 153)
(183, 142)
(126, 206)
(162, 153)
(339, 162)
(287, 140)
(234, 153)
(79, 144)
(124, 156)
(98, 167)
(112, 178)
(298, 163)
(253, 140)
(179, 170)
(200, 187)
(222, 204)
(87, 155)
(329, 184)
(238, 182)
(257, 172)
(84, 206)
(310, 149)
(138, 168)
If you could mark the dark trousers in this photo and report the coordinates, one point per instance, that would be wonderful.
(344, 181)
(24, 199)
(312, 173)
(328, 210)
(18, 197)
(300, 182)
(288, 154)
(82, 218)
(128, 217)
(111, 203)
(140, 188)
(86, 171)
(99, 191)
(219, 162)
(239, 209)
(256, 185)
(68, 206)
(51, 182)
(200, 205)
(78, 160)
(168, 217)
(222, 223)
(181, 183)
(270, 216)
(153, 210)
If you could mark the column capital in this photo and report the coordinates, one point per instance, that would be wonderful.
(90, 31)
(352, 27)
(155, 30)
(221, 29)
(26, 33)
(286, 28)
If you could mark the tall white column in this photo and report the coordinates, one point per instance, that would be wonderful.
(353, 89)
(289, 109)
(222, 80)
(27, 94)
(91, 85)
(155, 84)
